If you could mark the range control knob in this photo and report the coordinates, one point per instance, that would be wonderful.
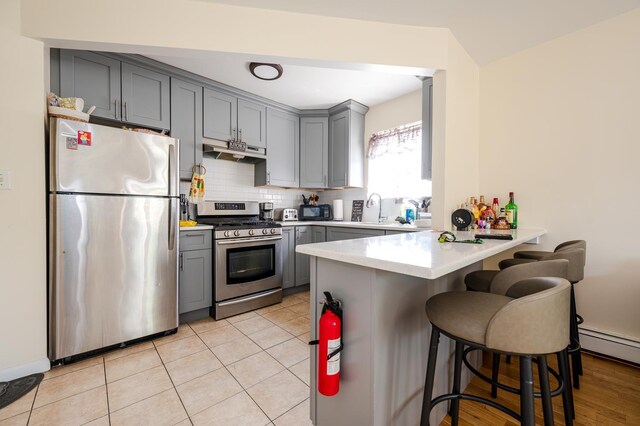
(251, 232)
(236, 233)
(273, 231)
(264, 231)
(226, 233)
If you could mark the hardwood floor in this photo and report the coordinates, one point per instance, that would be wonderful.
(609, 394)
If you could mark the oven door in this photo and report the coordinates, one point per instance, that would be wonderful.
(247, 266)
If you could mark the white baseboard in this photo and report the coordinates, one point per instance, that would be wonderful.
(39, 366)
(608, 344)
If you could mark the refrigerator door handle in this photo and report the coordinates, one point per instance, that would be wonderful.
(172, 224)
(172, 171)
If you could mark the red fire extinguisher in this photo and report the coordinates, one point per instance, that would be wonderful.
(330, 346)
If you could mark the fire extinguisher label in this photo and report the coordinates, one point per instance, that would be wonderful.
(333, 365)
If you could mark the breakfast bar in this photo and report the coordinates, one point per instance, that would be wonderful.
(383, 284)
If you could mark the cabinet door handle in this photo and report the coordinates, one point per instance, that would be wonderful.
(116, 103)
(233, 135)
(181, 261)
(268, 178)
(126, 112)
(240, 135)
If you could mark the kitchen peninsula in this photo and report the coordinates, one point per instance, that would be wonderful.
(383, 283)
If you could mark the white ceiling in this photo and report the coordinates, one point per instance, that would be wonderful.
(301, 86)
(488, 29)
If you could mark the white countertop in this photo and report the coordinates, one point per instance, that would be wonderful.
(196, 228)
(417, 253)
(395, 226)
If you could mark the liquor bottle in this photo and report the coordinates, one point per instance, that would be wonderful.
(495, 206)
(511, 210)
(501, 222)
(481, 205)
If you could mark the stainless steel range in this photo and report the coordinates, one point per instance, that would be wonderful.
(247, 257)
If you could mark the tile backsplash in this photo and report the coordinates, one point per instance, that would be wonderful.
(231, 181)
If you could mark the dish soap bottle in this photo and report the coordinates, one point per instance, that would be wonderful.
(408, 211)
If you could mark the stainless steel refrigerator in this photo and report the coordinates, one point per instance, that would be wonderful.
(113, 236)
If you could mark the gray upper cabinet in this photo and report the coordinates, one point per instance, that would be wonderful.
(304, 235)
(220, 115)
(314, 152)
(145, 97)
(427, 128)
(252, 126)
(281, 168)
(186, 123)
(338, 149)
(195, 280)
(288, 257)
(346, 145)
(93, 77)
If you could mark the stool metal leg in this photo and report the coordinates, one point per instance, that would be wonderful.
(457, 373)
(495, 369)
(527, 407)
(545, 392)
(573, 332)
(428, 383)
(567, 392)
(508, 359)
(577, 319)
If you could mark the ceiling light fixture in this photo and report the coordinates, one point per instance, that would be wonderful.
(265, 71)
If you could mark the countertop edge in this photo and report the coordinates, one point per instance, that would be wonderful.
(356, 225)
(409, 269)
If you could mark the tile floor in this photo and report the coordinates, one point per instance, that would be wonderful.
(251, 369)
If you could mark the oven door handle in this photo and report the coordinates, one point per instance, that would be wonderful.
(246, 299)
(244, 241)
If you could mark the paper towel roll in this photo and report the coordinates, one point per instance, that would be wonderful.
(338, 210)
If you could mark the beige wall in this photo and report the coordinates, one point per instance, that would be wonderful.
(201, 25)
(455, 133)
(560, 127)
(396, 112)
(22, 209)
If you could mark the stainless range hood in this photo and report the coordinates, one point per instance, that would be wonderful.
(220, 151)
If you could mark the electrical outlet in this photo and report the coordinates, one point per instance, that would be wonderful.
(5, 179)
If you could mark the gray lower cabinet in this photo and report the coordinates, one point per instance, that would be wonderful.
(337, 234)
(252, 125)
(314, 151)
(186, 123)
(288, 257)
(304, 235)
(195, 280)
(92, 77)
(319, 234)
(346, 145)
(145, 97)
(220, 115)
(281, 168)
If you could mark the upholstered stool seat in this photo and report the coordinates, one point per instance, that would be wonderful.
(480, 280)
(473, 312)
(539, 255)
(534, 324)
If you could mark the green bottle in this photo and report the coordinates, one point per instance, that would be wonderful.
(511, 210)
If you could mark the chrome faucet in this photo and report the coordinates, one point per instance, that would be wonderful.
(370, 204)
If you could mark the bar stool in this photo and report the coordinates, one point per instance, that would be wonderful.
(575, 252)
(535, 324)
(499, 282)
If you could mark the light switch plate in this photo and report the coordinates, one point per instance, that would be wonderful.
(5, 179)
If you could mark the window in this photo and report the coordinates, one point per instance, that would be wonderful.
(395, 163)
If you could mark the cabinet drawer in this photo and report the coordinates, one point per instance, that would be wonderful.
(195, 240)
